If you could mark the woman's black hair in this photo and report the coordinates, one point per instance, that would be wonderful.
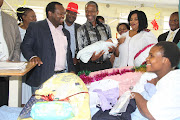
(51, 7)
(127, 26)
(143, 23)
(171, 51)
(22, 11)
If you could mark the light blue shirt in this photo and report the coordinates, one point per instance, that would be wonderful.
(72, 37)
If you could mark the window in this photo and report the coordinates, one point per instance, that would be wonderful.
(81, 18)
(166, 24)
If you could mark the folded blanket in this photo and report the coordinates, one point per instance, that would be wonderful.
(9, 113)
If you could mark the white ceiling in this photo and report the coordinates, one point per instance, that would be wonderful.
(146, 3)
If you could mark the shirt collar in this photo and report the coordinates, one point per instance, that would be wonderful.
(175, 31)
(52, 26)
(67, 25)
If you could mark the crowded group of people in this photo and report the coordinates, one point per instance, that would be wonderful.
(53, 44)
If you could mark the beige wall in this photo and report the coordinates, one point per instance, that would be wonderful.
(111, 13)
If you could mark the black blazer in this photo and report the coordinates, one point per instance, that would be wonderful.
(163, 37)
(38, 41)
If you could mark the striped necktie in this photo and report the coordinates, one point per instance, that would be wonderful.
(171, 37)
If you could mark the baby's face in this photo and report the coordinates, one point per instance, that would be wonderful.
(109, 40)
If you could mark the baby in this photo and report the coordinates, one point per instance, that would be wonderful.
(86, 53)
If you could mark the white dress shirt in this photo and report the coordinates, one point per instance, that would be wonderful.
(170, 31)
(132, 45)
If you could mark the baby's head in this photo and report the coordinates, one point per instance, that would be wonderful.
(112, 40)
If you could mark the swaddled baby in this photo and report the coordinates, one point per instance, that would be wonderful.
(86, 53)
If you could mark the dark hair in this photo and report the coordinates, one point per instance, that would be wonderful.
(171, 51)
(22, 11)
(92, 3)
(51, 7)
(143, 24)
(127, 26)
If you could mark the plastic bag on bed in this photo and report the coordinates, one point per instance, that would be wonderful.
(121, 104)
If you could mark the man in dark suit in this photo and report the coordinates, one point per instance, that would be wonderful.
(47, 44)
(173, 35)
(71, 26)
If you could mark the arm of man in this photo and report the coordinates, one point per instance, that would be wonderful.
(27, 46)
(95, 57)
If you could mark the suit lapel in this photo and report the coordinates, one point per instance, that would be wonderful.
(47, 33)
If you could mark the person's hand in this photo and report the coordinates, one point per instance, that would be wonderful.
(95, 57)
(112, 49)
(75, 61)
(121, 40)
(36, 60)
(132, 95)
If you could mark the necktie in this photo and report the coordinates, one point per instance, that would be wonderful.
(171, 37)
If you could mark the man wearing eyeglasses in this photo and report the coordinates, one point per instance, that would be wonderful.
(71, 26)
(91, 32)
(173, 35)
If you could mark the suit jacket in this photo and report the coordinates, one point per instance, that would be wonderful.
(76, 26)
(38, 41)
(12, 36)
(163, 37)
